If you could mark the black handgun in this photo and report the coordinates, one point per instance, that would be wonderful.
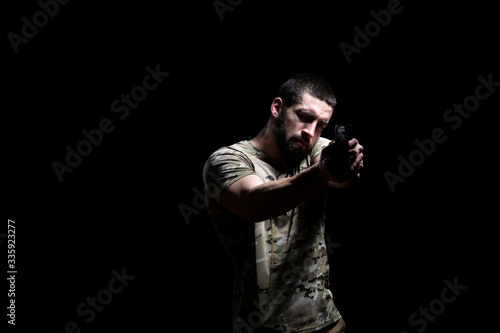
(343, 133)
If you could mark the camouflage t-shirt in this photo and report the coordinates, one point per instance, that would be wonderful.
(281, 265)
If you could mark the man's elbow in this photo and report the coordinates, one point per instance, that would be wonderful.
(253, 211)
(259, 216)
(248, 209)
(240, 204)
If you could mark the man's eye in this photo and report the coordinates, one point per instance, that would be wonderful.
(304, 118)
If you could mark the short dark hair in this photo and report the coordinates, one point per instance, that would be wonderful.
(292, 90)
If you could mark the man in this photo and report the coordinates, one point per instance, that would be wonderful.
(266, 198)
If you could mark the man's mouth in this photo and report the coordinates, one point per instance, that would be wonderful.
(302, 143)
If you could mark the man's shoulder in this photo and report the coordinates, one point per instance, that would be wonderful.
(322, 142)
(237, 155)
(318, 147)
(242, 148)
(227, 165)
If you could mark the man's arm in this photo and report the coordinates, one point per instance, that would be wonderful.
(256, 201)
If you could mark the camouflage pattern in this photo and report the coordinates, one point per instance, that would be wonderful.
(281, 266)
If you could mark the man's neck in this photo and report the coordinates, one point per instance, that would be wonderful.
(266, 141)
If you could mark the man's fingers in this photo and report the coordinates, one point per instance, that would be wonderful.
(357, 165)
(360, 163)
(354, 147)
(352, 143)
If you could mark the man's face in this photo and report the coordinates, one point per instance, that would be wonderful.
(298, 128)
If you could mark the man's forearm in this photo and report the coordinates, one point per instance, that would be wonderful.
(274, 198)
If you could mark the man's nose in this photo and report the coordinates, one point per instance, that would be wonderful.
(309, 129)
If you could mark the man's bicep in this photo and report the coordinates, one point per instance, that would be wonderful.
(234, 198)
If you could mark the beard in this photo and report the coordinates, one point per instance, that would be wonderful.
(289, 147)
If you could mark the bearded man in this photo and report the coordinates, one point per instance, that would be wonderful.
(266, 197)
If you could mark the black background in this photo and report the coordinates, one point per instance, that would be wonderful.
(120, 207)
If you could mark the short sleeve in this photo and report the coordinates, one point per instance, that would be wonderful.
(224, 167)
(318, 147)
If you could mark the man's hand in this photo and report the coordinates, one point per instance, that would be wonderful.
(341, 161)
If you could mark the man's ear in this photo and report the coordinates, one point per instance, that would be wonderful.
(276, 107)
